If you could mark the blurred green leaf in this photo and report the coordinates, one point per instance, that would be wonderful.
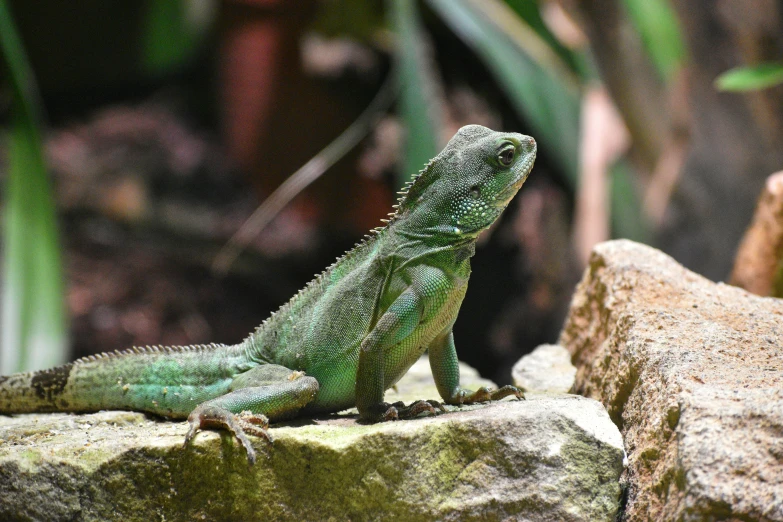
(419, 105)
(628, 220)
(354, 19)
(530, 12)
(172, 31)
(751, 78)
(514, 54)
(543, 90)
(33, 313)
(656, 22)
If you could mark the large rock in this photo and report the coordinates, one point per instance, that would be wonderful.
(692, 373)
(548, 368)
(546, 458)
(756, 265)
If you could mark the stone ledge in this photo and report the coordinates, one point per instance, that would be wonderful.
(547, 458)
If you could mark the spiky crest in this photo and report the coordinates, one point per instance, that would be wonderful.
(412, 189)
(406, 196)
(141, 350)
(365, 242)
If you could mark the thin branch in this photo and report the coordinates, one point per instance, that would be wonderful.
(302, 178)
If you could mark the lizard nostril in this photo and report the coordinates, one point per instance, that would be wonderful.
(528, 144)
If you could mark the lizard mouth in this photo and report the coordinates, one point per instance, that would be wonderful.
(507, 194)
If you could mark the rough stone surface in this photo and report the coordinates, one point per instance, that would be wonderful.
(692, 373)
(548, 368)
(543, 459)
(758, 265)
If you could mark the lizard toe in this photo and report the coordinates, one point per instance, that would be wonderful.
(254, 424)
(390, 414)
(207, 416)
(416, 409)
(507, 391)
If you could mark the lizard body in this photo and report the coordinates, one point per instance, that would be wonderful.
(344, 339)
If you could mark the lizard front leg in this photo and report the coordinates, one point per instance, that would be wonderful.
(445, 369)
(398, 322)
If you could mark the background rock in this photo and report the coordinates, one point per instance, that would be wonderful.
(545, 458)
(692, 373)
(547, 368)
(756, 265)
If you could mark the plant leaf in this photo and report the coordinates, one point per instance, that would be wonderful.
(751, 78)
(32, 319)
(542, 90)
(549, 104)
(657, 25)
(628, 220)
(172, 30)
(419, 106)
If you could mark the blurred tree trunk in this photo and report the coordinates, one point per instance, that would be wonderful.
(629, 76)
(735, 138)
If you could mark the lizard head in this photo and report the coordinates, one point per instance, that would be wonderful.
(464, 189)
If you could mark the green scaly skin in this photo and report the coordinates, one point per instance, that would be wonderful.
(344, 339)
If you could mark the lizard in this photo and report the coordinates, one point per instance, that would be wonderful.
(344, 339)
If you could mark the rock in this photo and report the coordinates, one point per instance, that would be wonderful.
(546, 458)
(692, 373)
(548, 368)
(759, 256)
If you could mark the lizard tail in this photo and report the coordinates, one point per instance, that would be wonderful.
(166, 380)
(41, 391)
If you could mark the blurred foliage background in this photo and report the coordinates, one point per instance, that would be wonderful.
(139, 140)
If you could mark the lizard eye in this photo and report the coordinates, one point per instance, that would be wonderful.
(475, 192)
(506, 155)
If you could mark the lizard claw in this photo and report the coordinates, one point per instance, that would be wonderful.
(485, 394)
(415, 409)
(390, 414)
(507, 391)
(399, 411)
(216, 417)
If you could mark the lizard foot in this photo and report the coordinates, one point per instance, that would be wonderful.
(485, 394)
(216, 417)
(399, 411)
(417, 408)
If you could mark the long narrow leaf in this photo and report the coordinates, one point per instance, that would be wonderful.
(656, 23)
(419, 106)
(33, 315)
(171, 32)
(551, 108)
(628, 220)
(752, 78)
(542, 90)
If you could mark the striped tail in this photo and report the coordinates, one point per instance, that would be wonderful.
(168, 381)
(41, 391)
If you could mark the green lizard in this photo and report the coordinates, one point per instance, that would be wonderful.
(344, 339)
